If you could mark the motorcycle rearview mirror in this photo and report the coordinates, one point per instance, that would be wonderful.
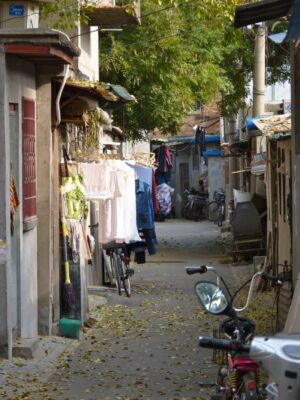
(212, 297)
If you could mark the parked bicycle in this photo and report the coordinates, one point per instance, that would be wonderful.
(117, 269)
(215, 209)
(240, 377)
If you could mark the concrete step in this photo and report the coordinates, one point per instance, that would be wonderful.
(27, 348)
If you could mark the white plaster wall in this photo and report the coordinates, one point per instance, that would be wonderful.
(138, 147)
(21, 82)
(28, 286)
(276, 92)
(216, 179)
(88, 62)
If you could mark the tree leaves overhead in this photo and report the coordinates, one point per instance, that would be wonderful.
(184, 51)
(180, 54)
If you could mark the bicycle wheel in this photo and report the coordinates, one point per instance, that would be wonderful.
(212, 211)
(107, 272)
(124, 274)
(221, 215)
(115, 271)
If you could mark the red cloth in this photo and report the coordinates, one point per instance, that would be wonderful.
(154, 193)
(169, 160)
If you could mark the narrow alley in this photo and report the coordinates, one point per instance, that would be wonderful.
(127, 121)
(143, 347)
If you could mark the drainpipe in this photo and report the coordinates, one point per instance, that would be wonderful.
(57, 103)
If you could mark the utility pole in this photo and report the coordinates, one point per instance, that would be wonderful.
(259, 72)
(259, 83)
(232, 130)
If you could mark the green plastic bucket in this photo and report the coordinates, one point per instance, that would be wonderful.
(70, 328)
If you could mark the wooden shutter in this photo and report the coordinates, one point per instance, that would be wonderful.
(29, 162)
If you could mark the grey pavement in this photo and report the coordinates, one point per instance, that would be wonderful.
(143, 347)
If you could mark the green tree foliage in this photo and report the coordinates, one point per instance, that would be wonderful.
(178, 55)
(184, 51)
(64, 15)
(278, 56)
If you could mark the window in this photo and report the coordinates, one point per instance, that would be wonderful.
(29, 164)
(184, 176)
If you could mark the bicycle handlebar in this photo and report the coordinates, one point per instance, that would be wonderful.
(196, 270)
(222, 344)
(275, 281)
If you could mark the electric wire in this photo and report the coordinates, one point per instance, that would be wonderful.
(167, 8)
(143, 16)
(156, 40)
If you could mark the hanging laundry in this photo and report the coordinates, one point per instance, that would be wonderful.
(200, 140)
(145, 215)
(73, 233)
(144, 205)
(164, 198)
(14, 202)
(164, 159)
(74, 194)
(95, 179)
(151, 240)
(142, 173)
(112, 185)
(164, 162)
(132, 234)
(154, 193)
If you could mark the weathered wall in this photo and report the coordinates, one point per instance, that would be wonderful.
(215, 175)
(21, 82)
(44, 204)
(293, 320)
(88, 62)
(5, 279)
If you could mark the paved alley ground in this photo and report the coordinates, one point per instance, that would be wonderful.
(143, 347)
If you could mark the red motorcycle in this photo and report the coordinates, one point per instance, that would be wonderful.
(240, 377)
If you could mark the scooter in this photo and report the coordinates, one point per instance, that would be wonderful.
(193, 204)
(278, 355)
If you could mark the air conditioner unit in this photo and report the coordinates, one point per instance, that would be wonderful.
(19, 15)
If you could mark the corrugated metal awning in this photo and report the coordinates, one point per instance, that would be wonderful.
(213, 153)
(110, 16)
(121, 92)
(265, 10)
(108, 92)
(191, 139)
(276, 124)
(293, 32)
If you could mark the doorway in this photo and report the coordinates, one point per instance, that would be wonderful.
(184, 177)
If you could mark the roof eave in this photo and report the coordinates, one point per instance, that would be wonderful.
(264, 10)
(111, 16)
(39, 44)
